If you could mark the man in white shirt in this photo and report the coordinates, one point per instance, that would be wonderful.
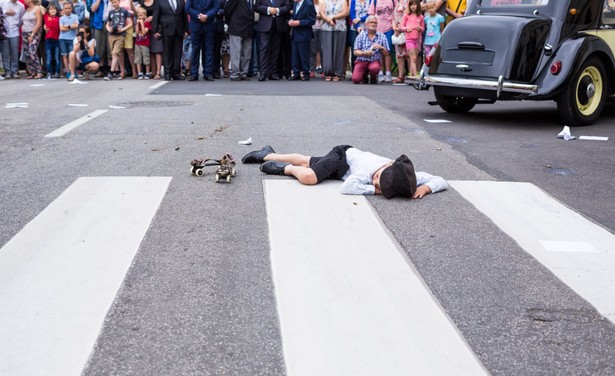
(13, 15)
(363, 173)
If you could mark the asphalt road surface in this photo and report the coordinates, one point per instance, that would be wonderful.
(114, 259)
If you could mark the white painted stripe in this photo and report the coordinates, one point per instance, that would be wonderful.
(437, 121)
(74, 124)
(594, 138)
(349, 301)
(159, 84)
(60, 273)
(535, 219)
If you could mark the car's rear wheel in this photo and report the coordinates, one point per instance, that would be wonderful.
(582, 101)
(454, 104)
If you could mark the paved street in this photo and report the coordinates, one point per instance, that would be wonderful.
(114, 259)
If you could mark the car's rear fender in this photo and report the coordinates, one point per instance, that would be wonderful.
(572, 53)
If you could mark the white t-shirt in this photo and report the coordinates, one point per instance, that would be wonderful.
(91, 43)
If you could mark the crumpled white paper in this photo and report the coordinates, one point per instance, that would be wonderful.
(565, 134)
(246, 142)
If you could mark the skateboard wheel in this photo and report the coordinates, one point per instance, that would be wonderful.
(228, 178)
(233, 172)
(199, 172)
(217, 178)
(192, 170)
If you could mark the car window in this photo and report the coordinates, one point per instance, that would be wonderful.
(608, 13)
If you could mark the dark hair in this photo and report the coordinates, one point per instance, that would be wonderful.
(418, 7)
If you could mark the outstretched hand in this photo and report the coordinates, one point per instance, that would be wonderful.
(421, 191)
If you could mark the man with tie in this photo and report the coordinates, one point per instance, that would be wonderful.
(271, 25)
(304, 16)
(170, 21)
(202, 28)
(239, 16)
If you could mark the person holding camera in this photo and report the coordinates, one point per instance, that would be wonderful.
(83, 56)
(118, 22)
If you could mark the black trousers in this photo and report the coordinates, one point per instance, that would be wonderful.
(172, 54)
(269, 51)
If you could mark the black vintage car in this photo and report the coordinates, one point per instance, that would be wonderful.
(560, 50)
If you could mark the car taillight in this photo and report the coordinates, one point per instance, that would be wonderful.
(556, 68)
(428, 60)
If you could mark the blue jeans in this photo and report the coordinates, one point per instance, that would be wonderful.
(52, 55)
(10, 55)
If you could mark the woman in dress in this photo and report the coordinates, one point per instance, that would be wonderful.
(31, 34)
(333, 38)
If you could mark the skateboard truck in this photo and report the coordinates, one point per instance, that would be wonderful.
(226, 167)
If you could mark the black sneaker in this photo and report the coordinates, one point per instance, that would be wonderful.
(273, 167)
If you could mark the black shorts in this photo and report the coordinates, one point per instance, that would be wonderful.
(331, 166)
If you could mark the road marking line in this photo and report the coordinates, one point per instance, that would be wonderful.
(59, 275)
(74, 124)
(159, 84)
(594, 138)
(437, 121)
(584, 256)
(349, 301)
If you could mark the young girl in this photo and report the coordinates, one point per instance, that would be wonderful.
(31, 33)
(83, 56)
(434, 22)
(413, 25)
(52, 44)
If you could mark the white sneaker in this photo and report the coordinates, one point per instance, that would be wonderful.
(387, 78)
(380, 77)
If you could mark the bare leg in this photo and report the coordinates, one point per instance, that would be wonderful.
(305, 175)
(297, 160)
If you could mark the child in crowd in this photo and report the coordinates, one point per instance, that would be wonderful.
(69, 23)
(315, 55)
(52, 45)
(83, 56)
(434, 23)
(79, 10)
(142, 44)
(118, 22)
(187, 54)
(413, 25)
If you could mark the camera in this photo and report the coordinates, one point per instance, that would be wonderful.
(116, 30)
(81, 37)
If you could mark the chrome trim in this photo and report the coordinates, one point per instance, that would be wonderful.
(500, 86)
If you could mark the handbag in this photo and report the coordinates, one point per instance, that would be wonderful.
(398, 39)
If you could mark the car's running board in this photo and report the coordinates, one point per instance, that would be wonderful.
(480, 101)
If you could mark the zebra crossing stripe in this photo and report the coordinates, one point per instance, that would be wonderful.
(578, 251)
(349, 301)
(60, 273)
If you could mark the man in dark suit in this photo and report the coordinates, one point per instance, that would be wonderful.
(170, 21)
(304, 16)
(202, 28)
(239, 16)
(271, 25)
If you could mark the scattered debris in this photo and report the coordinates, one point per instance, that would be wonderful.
(565, 134)
(246, 142)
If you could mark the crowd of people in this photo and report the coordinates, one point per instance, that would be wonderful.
(214, 39)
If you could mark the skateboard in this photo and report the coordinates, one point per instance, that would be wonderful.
(226, 167)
